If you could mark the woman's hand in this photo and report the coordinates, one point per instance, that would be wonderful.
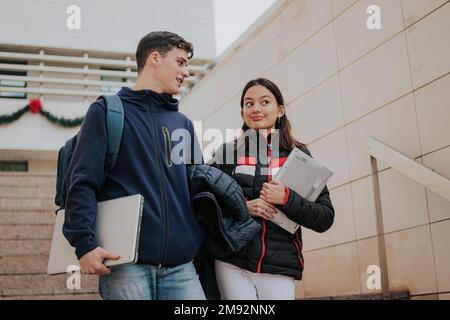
(273, 192)
(260, 208)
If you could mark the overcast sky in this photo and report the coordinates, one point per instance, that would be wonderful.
(233, 17)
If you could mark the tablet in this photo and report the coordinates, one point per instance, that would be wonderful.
(306, 177)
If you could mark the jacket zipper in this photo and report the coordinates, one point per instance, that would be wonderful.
(163, 186)
(263, 245)
(263, 240)
(167, 146)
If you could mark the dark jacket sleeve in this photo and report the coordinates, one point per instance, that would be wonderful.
(84, 181)
(318, 216)
(223, 158)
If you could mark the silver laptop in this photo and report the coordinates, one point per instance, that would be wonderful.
(306, 177)
(117, 228)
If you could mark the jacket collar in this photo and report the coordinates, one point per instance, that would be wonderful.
(149, 98)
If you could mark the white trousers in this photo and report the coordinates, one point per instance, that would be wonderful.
(238, 284)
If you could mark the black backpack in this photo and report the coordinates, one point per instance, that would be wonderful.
(114, 128)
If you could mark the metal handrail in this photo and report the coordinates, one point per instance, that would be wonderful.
(414, 170)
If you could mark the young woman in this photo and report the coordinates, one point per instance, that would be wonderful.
(267, 267)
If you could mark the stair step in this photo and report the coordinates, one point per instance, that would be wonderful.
(27, 191)
(391, 295)
(83, 296)
(17, 232)
(43, 284)
(27, 217)
(23, 264)
(27, 204)
(24, 247)
(27, 179)
(23, 276)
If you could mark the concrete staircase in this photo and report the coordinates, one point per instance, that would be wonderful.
(26, 226)
(27, 214)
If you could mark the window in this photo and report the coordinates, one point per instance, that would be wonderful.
(6, 81)
(112, 88)
(21, 166)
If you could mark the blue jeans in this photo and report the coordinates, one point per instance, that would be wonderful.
(145, 282)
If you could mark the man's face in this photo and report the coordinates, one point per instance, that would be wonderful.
(172, 70)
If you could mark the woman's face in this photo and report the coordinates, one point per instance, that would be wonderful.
(260, 110)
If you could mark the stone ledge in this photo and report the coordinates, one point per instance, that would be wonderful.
(394, 295)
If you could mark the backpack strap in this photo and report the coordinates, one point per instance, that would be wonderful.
(60, 177)
(114, 128)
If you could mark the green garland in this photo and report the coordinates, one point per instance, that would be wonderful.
(68, 123)
(13, 117)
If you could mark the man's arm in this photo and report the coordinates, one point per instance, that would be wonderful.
(84, 181)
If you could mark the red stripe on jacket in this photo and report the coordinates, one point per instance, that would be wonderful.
(299, 247)
(263, 244)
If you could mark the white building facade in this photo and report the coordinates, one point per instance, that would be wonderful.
(67, 53)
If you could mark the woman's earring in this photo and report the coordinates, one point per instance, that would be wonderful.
(278, 122)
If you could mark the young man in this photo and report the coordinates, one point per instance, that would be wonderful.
(170, 235)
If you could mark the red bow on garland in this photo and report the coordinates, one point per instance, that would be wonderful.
(35, 106)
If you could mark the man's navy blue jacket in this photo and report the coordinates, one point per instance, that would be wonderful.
(170, 233)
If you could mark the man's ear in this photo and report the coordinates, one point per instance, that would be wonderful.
(154, 58)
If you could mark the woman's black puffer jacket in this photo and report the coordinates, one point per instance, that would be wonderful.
(273, 250)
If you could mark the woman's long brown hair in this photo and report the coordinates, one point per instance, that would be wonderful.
(287, 140)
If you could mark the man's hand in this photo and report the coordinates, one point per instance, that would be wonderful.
(273, 192)
(92, 262)
(260, 208)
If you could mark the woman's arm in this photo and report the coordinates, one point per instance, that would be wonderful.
(318, 216)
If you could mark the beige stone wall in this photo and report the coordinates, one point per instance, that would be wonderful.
(42, 166)
(343, 83)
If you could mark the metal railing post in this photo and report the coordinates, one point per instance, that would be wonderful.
(380, 231)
